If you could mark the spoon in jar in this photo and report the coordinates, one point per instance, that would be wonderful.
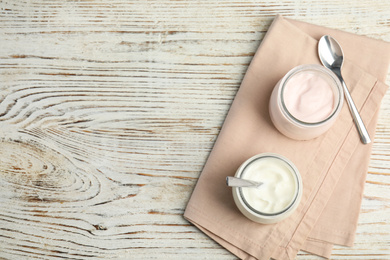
(238, 182)
(331, 56)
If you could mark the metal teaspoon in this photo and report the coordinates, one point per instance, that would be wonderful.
(331, 56)
(238, 182)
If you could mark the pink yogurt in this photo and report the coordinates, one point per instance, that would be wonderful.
(306, 102)
(309, 97)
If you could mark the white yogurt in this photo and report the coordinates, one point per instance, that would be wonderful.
(277, 197)
(279, 185)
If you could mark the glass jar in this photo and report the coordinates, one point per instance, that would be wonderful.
(280, 191)
(306, 102)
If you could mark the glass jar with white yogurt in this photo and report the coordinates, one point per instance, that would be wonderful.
(279, 194)
(306, 102)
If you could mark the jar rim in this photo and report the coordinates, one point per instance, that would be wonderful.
(324, 71)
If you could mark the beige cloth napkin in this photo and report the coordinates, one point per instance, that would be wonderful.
(333, 166)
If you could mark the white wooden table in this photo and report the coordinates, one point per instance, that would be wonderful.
(109, 109)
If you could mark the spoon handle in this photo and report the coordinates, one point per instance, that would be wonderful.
(364, 136)
(238, 182)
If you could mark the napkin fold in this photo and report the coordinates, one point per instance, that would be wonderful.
(333, 166)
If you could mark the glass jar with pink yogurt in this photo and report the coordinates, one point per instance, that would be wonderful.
(306, 102)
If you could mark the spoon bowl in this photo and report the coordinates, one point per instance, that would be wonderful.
(331, 54)
(332, 57)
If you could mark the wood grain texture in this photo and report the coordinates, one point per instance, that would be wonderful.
(109, 109)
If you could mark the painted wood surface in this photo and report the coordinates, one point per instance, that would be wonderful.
(109, 109)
